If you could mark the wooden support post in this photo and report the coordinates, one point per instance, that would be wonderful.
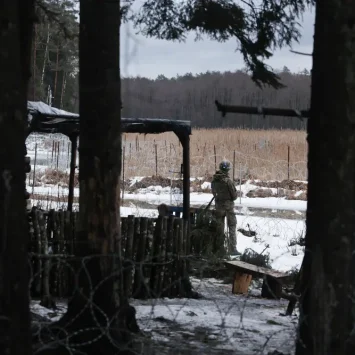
(241, 283)
(74, 146)
(271, 289)
(186, 191)
(185, 142)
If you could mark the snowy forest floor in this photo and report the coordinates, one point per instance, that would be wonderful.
(217, 323)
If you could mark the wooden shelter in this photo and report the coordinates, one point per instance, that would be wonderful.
(46, 119)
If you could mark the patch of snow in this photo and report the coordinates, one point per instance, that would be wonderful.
(219, 321)
(244, 324)
(206, 185)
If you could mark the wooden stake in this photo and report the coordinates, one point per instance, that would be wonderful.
(215, 158)
(156, 159)
(288, 162)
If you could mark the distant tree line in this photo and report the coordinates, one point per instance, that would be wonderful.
(191, 97)
(184, 97)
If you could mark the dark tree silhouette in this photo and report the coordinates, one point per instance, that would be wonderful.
(16, 22)
(98, 316)
(327, 318)
(191, 97)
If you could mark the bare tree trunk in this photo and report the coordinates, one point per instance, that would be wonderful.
(327, 320)
(16, 22)
(56, 75)
(64, 83)
(45, 56)
(34, 63)
(98, 304)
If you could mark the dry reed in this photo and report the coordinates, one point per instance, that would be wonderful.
(259, 154)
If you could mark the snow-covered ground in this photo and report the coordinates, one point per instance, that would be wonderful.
(218, 323)
(158, 194)
(220, 320)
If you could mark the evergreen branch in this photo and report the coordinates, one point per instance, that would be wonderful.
(55, 15)
(259, 29)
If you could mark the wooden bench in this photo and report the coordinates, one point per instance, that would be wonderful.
(244, 272)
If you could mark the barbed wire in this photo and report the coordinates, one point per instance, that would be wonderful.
(216, 295)
(216, 323)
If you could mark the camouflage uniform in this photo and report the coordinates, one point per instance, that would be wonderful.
(225, 194)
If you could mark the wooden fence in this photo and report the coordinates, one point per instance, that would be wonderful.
(154, 254)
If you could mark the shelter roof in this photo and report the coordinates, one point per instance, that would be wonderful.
(46, 119)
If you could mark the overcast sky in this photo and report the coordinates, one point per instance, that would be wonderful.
(149, 57)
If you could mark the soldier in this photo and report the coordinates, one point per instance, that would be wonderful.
(225, 194)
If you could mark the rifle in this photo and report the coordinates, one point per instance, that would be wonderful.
(209, 205)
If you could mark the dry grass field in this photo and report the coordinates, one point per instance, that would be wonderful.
(257, 154)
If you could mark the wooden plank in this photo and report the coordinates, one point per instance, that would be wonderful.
(256, 271)
(128, 258)
(148, 257)
(156, 247)
(61, 247)
(175, 263)
(140, 290)
(180, 260)
(169, 257)
(136, 236)
(161, 257)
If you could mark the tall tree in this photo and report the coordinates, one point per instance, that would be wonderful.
(327, 320)
(55, 54)
(98, 305)
(16, 20)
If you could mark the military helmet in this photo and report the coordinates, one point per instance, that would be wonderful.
(225, 165)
